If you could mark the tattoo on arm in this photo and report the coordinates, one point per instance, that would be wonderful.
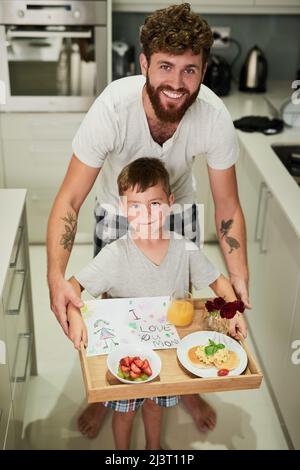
(68, 237)
(232, 242)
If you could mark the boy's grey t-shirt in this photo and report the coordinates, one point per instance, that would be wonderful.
(122, 270)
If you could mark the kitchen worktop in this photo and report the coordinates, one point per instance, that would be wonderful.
(11, 207)
(258, 145)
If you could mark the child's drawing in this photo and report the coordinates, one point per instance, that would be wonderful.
(111, 322)
(105, 334)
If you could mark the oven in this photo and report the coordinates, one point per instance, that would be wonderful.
(53, 54)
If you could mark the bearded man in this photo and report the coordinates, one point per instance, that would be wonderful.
(164, 113)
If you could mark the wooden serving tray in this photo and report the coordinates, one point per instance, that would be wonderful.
(101, 385)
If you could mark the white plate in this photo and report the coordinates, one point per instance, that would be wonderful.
(114, 357)
(200, 338)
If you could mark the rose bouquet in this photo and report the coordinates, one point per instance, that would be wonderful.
(219, 312)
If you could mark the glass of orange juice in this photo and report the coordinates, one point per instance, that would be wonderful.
(180, 312)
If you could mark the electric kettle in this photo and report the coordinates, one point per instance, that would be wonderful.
(218, 75)
(254, 72)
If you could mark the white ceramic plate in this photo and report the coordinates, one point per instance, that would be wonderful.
(200, 338)
(113, 360)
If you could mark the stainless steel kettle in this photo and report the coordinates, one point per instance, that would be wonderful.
(254, 72)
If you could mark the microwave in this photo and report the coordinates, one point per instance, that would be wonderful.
(53, 54)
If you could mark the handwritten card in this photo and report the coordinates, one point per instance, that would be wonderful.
(111, 322)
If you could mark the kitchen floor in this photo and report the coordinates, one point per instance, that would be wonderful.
(246, 419)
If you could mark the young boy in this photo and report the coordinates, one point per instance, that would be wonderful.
(148, 261)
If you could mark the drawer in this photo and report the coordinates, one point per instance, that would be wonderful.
(36, 164)
(9, 440)
(5, 401)
(12, 290)
(40, 126)
(17, 322)
(21, 380)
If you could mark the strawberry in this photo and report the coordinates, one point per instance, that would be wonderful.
(145, 364)
(133, 375)
(130, 358)
(148, 371)
(138, 362)
(125, 368)
(125, 361)
(135, 369)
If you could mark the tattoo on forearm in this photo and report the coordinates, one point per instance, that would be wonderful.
(68, 237)
(232, 242)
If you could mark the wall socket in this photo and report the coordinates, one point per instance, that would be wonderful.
(224, 32)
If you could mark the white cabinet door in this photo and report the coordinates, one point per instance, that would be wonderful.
(1, 163)
(274, 267)
(222, 2)
(252, 199)
(39, 203)
(280, 256)
(10, 440)
(289, 390)
(40, 126)
(5, 391)
(36, 164)
(36, 157)
(282, 3)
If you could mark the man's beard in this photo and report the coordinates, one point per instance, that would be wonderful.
(172, 113)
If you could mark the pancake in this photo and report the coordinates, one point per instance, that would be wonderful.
(196, 361)
(231, 363)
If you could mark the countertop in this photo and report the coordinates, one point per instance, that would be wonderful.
(258, 146)
(11, 207)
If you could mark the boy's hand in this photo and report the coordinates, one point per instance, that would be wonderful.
(237, 325)
(77, 328)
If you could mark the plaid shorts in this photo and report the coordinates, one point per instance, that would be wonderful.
(124, 406)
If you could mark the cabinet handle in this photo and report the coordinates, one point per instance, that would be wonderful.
(19, 238)
(49, 34)
(28, 337)
(259, 219)
(16, 311)
(262, 247)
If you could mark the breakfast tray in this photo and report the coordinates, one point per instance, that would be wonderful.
(101, 385)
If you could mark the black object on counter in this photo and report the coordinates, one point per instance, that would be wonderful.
(259, 124)
(254, 72)
(218, 75)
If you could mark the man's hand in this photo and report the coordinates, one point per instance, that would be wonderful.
(77, 328)
(237, 326)
(240, 286)
(61, 294)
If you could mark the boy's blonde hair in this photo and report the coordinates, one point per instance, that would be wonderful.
(144, 173)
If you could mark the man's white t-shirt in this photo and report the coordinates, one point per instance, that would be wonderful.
(115, 132)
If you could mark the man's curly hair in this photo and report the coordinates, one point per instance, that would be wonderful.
(175, 29)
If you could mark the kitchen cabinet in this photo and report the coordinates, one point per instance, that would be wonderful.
(289, 389)
(221, 2)
(214, 6)
(37, 158)
(5, 387)
(16, 320)
(274, 264)
(282, 3)
(1, 164)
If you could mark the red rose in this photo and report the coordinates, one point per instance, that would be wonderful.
(218, 303)
(239, 305)
(228, 310)
(210, 306)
